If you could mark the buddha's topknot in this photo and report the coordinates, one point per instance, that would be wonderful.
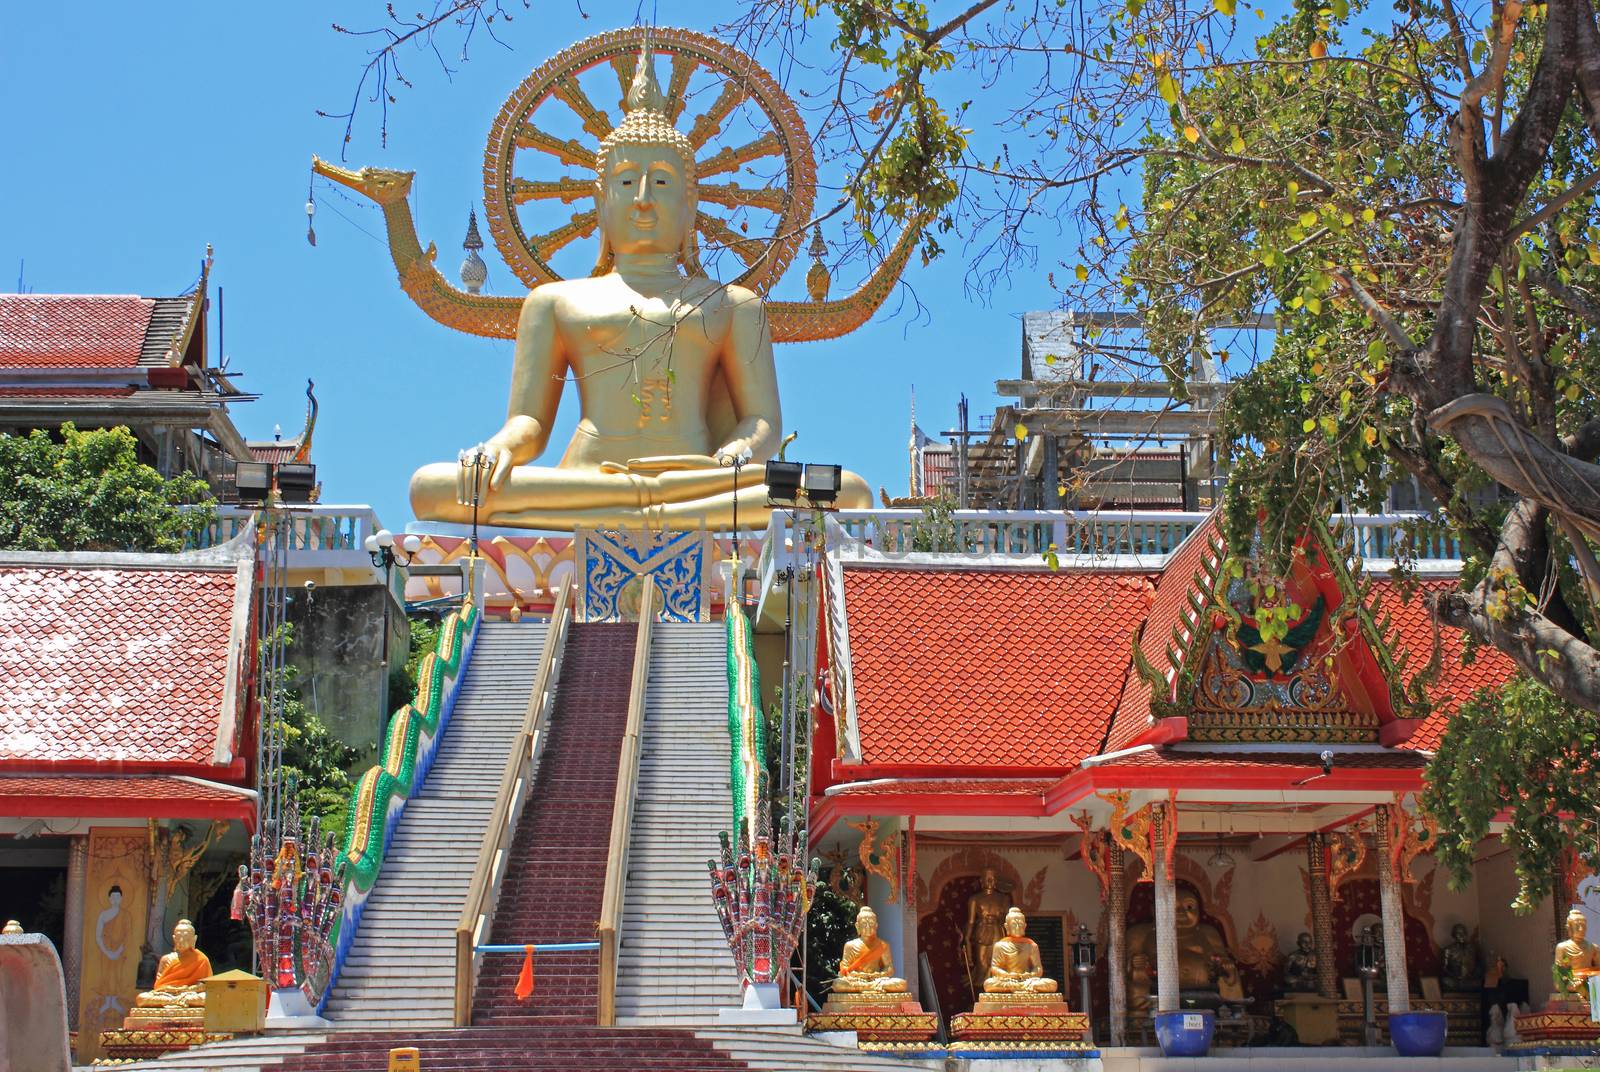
(645, 121)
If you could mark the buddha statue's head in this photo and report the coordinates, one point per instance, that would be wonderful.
(1577, 925)
(12, 927)
(1188, 911)
(1016, 923)
(1304, 942)
(866, 923)
(183, 936)
(645, 187)
(1458, 934)
(988, 881)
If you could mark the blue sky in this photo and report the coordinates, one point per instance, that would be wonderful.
(135, 134)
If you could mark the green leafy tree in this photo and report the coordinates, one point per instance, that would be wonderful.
(318, 759)
(1481, 769)
(88, 491)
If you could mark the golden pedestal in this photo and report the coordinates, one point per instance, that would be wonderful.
(1021, 1022)
(236, 1001)
(1563, 1022)
(1462, 1011)
(141, 1044)
(1315, 1019)
(876, 1018)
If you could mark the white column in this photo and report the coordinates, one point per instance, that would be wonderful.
(1166, 916)
(1394, 928)
(1117, 943)
(72, 924)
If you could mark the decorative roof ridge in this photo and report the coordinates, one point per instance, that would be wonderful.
(1107, 565)
(1171, 684)
(222, 557)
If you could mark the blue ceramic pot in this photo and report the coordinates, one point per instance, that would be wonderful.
(1417, 1034)
(1184, 1034)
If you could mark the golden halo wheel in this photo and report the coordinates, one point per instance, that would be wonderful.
(542, 149)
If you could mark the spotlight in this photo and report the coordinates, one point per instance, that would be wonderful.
(822, 483)
(253, 481)
(297, 481)
(783, 482)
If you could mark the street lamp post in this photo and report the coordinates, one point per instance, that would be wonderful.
(1367, 968)
(475, 466)
(380, 547)
(1083, 967)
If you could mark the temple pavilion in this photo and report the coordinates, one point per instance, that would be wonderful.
(1085, 741)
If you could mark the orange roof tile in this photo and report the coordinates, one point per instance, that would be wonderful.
(119, 666)
(154, 796)
(1458, 680)
(1166, 613)
(73, 330)
(987, 668)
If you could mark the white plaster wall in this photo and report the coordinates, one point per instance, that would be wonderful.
(1527, 942)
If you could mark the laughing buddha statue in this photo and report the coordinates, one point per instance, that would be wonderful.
(675, 372)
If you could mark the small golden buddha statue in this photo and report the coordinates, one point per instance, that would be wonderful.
(867, 963)
(178, 974)
(674, 371)
(1014, 964)
(986, 911)
(11, 927)
(1205, 965)
(1577, 958)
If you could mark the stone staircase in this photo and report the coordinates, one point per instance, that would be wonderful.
(674, 967)
(400, 971)
(556, 874)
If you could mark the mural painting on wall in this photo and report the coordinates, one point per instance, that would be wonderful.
(942, 930)
(115, 906)
(617, 563)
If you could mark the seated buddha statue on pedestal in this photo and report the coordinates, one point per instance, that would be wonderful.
(867, 963)
(1565, 1017)
(177, 987)
(674, 371)
(1014, 965)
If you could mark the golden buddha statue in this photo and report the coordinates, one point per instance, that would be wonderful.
(867, 963)
(178, 974)
(1577, 959)
(986, 910)
(675, 372)
(1014, 964)
(1205, 966)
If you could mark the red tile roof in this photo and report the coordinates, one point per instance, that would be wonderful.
(1167, 609)
(65, 392)
(987, 668)
(946, 787)
(1414, 628)
(139, 797)
(73, 330)
(120, 666)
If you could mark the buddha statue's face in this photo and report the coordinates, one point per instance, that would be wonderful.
(1577, 926)
(866, 924)
(645, 203)
(1016, 924)
(183, 936)
(1303, 943)
(989, 882)
(1458, 934)
(1188, 912)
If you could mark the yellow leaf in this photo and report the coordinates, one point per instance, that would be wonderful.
(1308, 425)
(1192, 134)
(1319, 49)
(1168, 88)
(1081, 272)
(1369, 435)
(1021, 432)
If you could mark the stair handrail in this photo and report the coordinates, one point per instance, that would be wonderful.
(622, 814)
(477, 914)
